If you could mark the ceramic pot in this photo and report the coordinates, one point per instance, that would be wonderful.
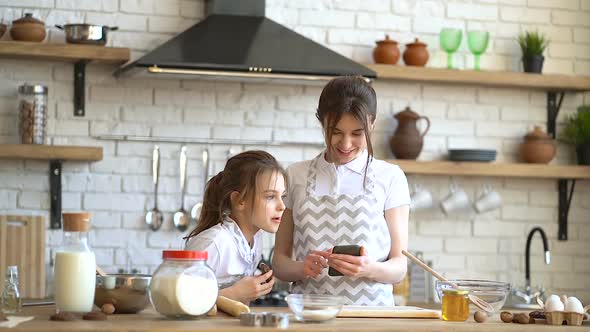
(2, 29)
(538, 147)
(386, 51)
(533, 63)
(28, 29)
(407, 141)
(416, 54)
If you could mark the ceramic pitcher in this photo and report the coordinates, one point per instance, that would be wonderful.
(407, 140)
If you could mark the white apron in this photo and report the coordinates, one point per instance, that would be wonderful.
(322, 222)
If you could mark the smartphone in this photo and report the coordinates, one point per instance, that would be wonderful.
(354, 250)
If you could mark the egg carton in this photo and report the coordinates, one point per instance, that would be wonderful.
(562, 308)
(557, 318)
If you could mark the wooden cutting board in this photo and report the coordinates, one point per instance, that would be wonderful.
(387, 312)
(22, 243)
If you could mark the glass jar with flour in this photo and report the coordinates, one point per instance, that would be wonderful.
(75, 266)
(183, 286)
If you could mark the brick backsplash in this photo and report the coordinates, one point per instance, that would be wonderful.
(117, 190)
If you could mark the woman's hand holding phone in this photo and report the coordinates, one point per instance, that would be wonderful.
(349, 261)
(315, 262)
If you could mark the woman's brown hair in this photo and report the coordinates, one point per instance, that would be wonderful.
(240, 174)
(348, 95)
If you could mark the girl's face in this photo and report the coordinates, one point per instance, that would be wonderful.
(268, 202)
(347, 141)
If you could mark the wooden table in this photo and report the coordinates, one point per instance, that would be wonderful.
(149, 320)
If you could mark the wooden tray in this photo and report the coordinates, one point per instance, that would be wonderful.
(387, 312)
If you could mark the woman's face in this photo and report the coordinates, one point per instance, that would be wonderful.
(348, 140)
(268, 203)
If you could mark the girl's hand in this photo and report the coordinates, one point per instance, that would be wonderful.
(315, 262)
(250, 288)
(352, 266)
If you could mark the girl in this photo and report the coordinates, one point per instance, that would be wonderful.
(345, 197)
(244, 198)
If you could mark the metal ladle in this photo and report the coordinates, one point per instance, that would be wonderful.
(479, 302)
(181, 218)
(154, 218)
(196, 210)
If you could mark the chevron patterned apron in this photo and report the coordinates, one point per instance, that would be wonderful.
(322, 222)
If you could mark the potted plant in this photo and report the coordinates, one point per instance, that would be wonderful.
(532, 44)
(577, 132)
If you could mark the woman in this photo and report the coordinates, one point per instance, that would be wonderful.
(345, 197)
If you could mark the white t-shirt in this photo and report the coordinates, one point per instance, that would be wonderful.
(230, 256)
(391, 185)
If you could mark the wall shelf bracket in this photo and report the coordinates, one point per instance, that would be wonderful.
(553, 106)
(565, 200)
(79, 87)
(55, 192)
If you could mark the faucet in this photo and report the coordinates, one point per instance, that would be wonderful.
(527, 295)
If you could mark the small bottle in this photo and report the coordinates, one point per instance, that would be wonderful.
(455, 305)
(11, 301)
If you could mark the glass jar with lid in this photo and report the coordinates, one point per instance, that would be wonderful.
(183, 286)
(75, 266)
(455, 305)
(32, 114)
(11, 300)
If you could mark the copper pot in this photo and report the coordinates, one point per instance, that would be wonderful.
(538, 147)
(386, 51)
(416, 54)
(28, 28)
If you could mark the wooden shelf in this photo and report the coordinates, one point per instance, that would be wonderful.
(50, 152)
(506, 79)
(493, 169)
(64, 52)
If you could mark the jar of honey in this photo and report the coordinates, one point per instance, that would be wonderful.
(455, 305)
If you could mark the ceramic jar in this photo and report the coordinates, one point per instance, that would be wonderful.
(407, 140)
(28, 28)
(538, 147)
(416, 54)
(386, 51)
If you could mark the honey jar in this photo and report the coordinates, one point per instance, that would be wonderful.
(455, 305)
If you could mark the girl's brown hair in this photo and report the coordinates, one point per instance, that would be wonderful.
(240, 174)
(348, 95)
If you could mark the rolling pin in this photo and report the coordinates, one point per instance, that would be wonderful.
(231, 307)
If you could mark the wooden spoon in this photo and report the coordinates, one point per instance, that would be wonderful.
(100, 271)
(479, 302)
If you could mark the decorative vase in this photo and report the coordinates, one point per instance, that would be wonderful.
(416, 54)
(533, 63)
(28, 28)
(407, 140)
(386, 51)
(538, 147)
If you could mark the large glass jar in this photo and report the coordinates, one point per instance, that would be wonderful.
(183, 286)
(32, 114)
(75, 266)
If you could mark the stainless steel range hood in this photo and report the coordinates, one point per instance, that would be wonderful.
(236, 41)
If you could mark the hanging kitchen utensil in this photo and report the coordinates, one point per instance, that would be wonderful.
(479, 302)
(181, 218)
(154, 218)
(196, 210)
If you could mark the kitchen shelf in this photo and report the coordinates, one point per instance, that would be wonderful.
(64, 52)
(494, 169)
(79, 55)
(55, 154)
(506, 79)
(50, 152)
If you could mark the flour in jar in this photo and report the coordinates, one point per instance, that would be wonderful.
(177, 295)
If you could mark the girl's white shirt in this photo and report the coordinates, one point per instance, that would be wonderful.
(391, 185)
(230, 256)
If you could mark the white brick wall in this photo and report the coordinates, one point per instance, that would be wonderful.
(118, 189)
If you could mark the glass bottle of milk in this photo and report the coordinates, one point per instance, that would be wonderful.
(75, 266)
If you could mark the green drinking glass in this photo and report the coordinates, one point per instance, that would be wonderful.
(477, 41)
(450, 40)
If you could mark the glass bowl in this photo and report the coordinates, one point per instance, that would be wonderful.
(493, 292)
(314, 308)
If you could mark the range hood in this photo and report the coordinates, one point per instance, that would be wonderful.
(236, 41)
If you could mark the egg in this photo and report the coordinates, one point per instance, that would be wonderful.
(574, 305)
(553, 303)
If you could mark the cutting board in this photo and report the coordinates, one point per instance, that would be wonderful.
(22, 243)
(387, 312)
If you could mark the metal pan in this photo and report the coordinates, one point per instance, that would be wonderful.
(86, 33)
